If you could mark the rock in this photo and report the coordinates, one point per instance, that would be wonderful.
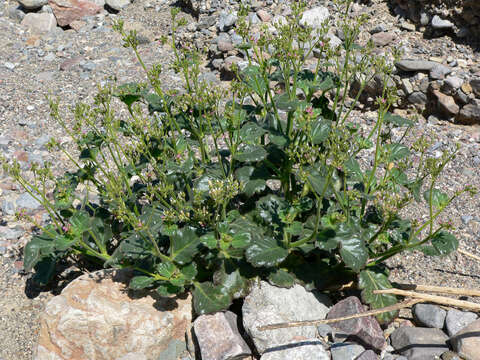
(446, 104)
(345, 351)
(439, 23)
(467, 341)
(475, 85)
(263, 15)
(407, 86)
(324, 330)
(229, 62)
(428, 315)
(368, 355)
(117, 4)
(224, 43)
(415, 65)
(267, 304)
(39, 23)
(424, 19)
(226, 20)
(453, 82)
(469, 114)
(419, 343)
(378, 28)
(408, 26)
(311, 349)
(32, 4)
(95, 317)
(218, 337)
(418, 98)
(8, 207)
(466, 88)
(456, 320)
(70, 63)
(253, 19)
(315, 17)
(383, 38)
(365, 330)
(450, 355)
(439, 71)
(27, 201)
(66, 11)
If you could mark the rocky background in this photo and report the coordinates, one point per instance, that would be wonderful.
(65, 47)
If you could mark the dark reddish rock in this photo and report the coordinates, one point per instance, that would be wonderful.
(364, 330)
(67, 11)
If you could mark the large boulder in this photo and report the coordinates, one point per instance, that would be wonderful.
(32, 4)
(96, 317)
(267, 304)
(68, 11)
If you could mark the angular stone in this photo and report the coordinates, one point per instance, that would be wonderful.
(230, 61)
(95, 317)
(467, 341)
(226, 20)
(27, 201)
(439, 72)
(469, 114)
(67, 11)
(218, 337)
(466, 88)
(456, 320)
(224, 42)
(446, 104)
(419, 343)
(453, 82)
(475, 85)
(311, 349)
(263, 15)
(383, 38)
(439, 23)
(365, 330)
(368, 355)
(32, 4)
(428, 315)
(415, 65)
(267, 304)
(315, 17)
(418, 98)
(345, 351)
(117, 4)
(39, 23)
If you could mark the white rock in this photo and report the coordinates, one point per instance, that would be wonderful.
(32, 4)
(267, 304)
(117, 4)
(39, 23)
(315, 17)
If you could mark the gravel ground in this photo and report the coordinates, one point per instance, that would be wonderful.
(68, 65)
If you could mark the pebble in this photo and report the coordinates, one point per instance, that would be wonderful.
(428, 315)
(419, 343)
(415, 65)
(456, 320)
(9, 65)
(439, 23)
(345, 351)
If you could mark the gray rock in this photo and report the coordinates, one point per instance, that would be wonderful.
(9, 65)
(469, 114)
(439, 23)
(11, 233)
(8, 207)
(345, 351)
(365, 330)
(218, 337)
(427, 315)
(27, 201)
(465, 220)
(87, 65)
(418, 98)
(224, 43)
(46, 9)
(419, 343)
(453, 82)
(39, 23)
(368, 355)
(268, 304)
(424, 19)
(378, 29)
(467, 341)
(415, 65)
(439, 71)
(311, 349)
(226, 20)
(16, 13)
(117, 4)
(254, 19)
(383, 38)
(446, 104)
(456, 320)
(315, 17)
(475, 84)
(324, 330)
(208, 77)
(32, 4)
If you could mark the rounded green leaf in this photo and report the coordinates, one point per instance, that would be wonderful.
(208, 298)
(265, 252)
(140, 282)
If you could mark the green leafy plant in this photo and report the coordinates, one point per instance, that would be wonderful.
(209, 189)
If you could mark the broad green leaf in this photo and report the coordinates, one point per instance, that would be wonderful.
(397, 120)
(397, 151)
(252, 76)
(80, 222)
(270, 207)
(189, 271)
(167, 289)
(251, 132)
(439, 199)
(353, 169)
(209, 240)
(184, 245)
(414, 187)
(443, 243)
(370, 280)
(63, 243)
(352, 246)
(295, 229)
(250, 153)
(230, 278)
(129, 93)
(320, 131)
(36, 249)
(166, 269)
(265, 252)
(208, 298)
(249, 176)
(140, 282)
(254, 186)
(241, 240)
(283, 102)
(281, 278)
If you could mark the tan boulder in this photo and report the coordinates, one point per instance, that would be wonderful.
(96, 317)
(67, 11)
